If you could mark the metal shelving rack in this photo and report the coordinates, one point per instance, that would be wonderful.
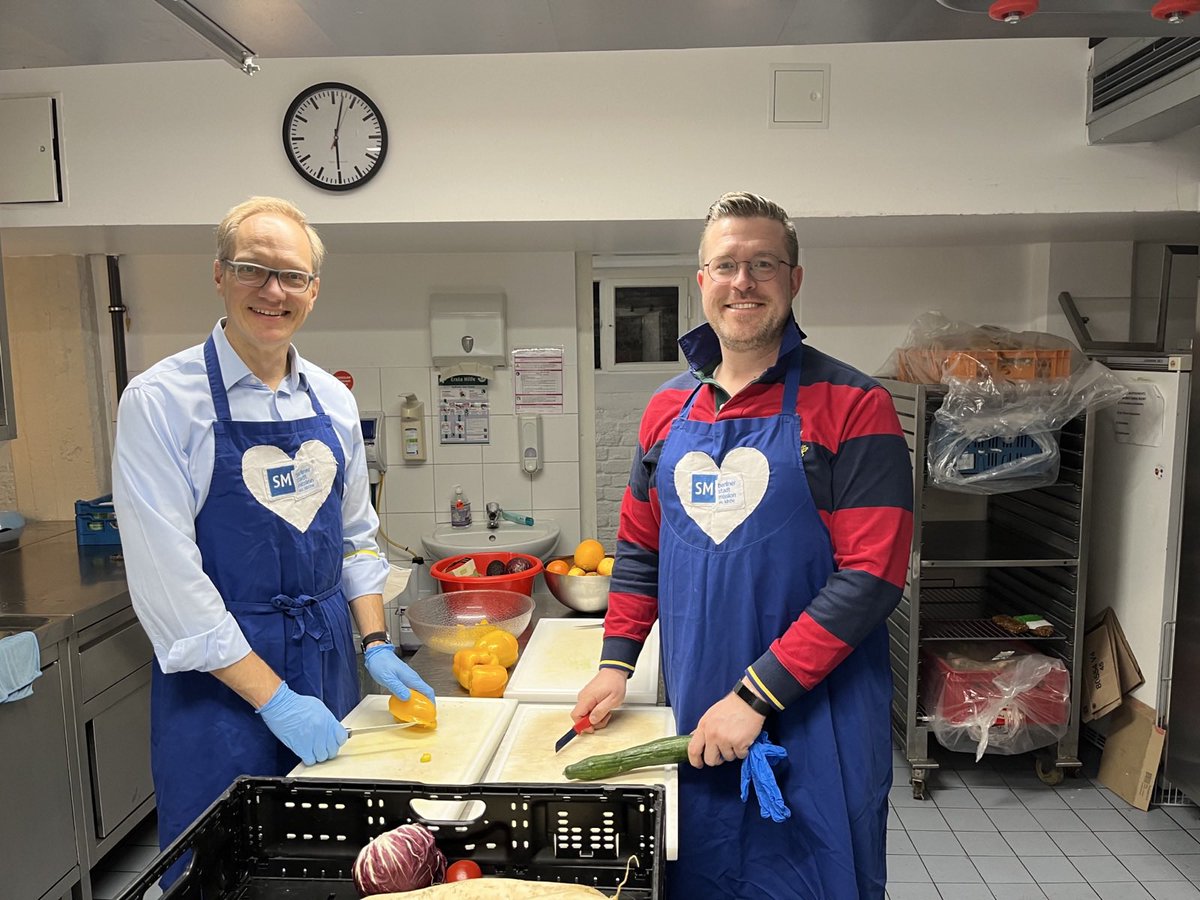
(976, 556)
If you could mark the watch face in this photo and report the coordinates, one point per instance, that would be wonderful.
(334, 136)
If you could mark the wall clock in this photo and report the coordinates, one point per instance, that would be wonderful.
(335, 136)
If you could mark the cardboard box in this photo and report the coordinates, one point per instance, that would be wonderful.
(1101, 680)
(1132, 751)
(1110, 668)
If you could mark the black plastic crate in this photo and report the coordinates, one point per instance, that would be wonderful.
(268, 838)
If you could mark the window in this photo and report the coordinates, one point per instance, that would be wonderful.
(639, 317)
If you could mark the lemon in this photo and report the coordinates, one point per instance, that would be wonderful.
(588, 554)
(575, 570)
(605, 567)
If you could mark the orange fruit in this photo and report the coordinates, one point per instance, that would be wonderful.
(558, 567)
(605, 567)
(588, 554)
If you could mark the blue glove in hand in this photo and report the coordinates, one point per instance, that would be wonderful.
(304, 724)
(392, 673)
(756, 767)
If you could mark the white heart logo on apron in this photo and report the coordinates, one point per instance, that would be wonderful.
(720, 498)
(291, 487)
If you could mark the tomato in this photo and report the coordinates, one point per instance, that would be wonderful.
(463, 870)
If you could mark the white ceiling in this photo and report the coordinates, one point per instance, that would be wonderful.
(42, 33)
(47, 33)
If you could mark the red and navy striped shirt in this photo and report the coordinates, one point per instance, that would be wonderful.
(861, 480)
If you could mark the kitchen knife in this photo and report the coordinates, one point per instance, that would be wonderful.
(579, 726)
(350, 732)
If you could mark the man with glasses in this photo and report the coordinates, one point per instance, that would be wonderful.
(240, 485)
(767, 526)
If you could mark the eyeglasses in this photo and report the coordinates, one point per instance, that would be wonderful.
(763, 267)
(252, 275)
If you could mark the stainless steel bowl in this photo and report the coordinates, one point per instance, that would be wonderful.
(582, 593)
(454, 621)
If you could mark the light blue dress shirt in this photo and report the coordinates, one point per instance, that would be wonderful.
(162, 470)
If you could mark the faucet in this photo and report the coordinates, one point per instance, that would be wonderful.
(493, 514)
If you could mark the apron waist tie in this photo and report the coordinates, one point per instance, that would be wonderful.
(309, 615)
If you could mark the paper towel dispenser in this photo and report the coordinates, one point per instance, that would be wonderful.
(467, 328)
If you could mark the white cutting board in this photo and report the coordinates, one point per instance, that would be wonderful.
(467, 734)
(526, 753)
(562, 656)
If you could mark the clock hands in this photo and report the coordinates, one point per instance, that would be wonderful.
(337, 155)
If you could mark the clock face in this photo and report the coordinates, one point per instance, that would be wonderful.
(334, 136)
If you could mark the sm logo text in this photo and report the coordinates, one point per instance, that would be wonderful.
(704, 487)
(281, 481)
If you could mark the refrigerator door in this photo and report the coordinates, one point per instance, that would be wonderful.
(1137, 501)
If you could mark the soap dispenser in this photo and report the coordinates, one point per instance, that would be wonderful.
(460, 509)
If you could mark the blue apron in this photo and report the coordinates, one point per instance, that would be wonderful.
(734, 573)
(280, 576)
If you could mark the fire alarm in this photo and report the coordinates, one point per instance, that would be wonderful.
(1174, 11)
(1012, 11)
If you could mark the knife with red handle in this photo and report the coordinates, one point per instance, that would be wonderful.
(582, 725)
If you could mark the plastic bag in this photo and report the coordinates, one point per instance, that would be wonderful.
(998, 697)
(1008, 395)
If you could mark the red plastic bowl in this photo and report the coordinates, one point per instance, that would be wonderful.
(521, 582)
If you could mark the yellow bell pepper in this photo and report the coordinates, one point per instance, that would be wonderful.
(465, 660)
(502, 644)
(417, 708)
(487, 680)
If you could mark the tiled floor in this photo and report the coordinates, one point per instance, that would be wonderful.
(987, 831)
(993, 830)
(121, 866)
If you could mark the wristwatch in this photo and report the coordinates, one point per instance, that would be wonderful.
(373, 637)
(755, 702)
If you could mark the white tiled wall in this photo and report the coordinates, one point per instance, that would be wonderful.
(374, 324)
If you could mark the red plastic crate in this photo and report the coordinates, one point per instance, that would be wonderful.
(962, 688)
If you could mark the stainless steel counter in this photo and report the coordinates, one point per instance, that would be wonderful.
(47, 575)
(435, 667)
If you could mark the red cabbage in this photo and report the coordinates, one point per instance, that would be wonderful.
(403, 859)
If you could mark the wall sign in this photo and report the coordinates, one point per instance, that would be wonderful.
(463, 414)
(538, 380)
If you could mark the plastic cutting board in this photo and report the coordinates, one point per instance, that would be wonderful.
(561, 657)
(526, 753)
(468, 732)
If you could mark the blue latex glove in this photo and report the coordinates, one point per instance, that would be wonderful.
(393, 673)
(304, 724)
(756, 767)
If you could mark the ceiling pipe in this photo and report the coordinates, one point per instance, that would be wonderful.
(116, 311)
(213, 34)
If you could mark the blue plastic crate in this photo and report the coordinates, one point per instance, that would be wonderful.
(96, 522)
(988, 453)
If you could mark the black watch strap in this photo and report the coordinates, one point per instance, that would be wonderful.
(755, 702)
(373, 637)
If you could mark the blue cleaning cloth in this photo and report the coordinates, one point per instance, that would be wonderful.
(20, 664)
(756, 768)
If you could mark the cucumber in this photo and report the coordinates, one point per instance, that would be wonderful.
(661, 752)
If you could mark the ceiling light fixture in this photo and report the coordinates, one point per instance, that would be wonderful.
(229, 46)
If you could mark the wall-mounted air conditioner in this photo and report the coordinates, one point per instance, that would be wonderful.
(1143, 89)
